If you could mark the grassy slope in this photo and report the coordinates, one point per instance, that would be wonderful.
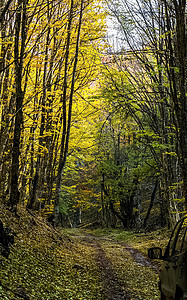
(44, 264)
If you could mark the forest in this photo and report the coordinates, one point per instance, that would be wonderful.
(93, 126)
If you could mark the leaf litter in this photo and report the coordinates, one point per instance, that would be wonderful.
(46, 263)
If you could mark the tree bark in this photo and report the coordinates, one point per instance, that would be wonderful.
(151, 203)
(20, 30)
(67, 119)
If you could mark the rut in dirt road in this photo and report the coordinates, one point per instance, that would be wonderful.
(113, 288)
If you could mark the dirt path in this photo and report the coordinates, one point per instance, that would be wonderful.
(113, 287)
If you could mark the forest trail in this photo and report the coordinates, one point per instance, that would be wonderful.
(114, 287)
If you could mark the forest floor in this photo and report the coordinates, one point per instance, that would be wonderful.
(121, 258)
(100, 264)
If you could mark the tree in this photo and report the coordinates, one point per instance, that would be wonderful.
(125, 166)
(151, 65)
(67, 120)
(20, 34)
(54, 64)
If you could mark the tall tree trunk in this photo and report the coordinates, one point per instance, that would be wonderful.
(20, 29)
(181, 37)
(178, 77)
(151, 203)
(67, 119)
(36, 180)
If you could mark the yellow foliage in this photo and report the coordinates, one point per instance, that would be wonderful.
(43, 86)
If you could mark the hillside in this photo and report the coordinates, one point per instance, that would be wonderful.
(43, 263)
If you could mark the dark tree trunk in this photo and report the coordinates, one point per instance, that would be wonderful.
(67, 118)
(20, 30)
(151, 203)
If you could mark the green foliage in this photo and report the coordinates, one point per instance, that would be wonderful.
(64, 205)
